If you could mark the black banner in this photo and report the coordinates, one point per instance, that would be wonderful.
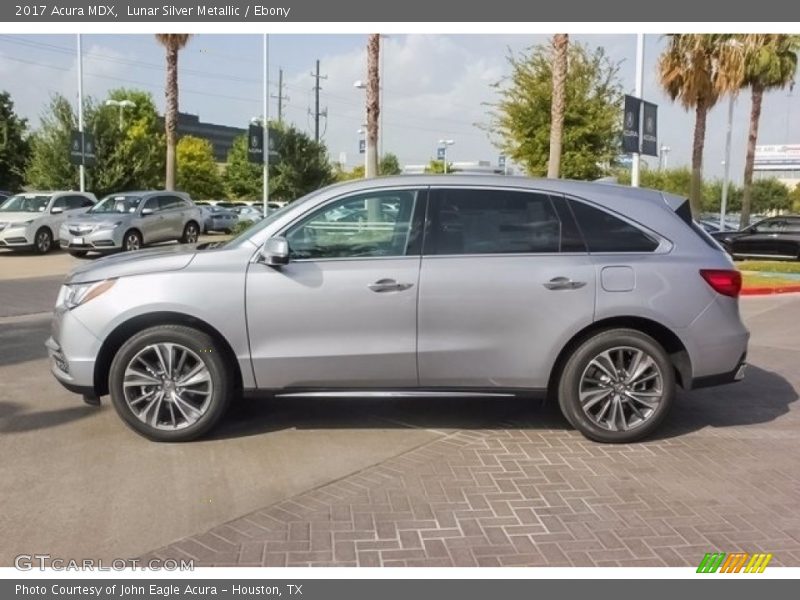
(81, 149)
(649, 128)
(630, 124)
(255, 144)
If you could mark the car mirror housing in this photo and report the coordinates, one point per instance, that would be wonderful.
(275, 252)
(56, 210)
(147, 211)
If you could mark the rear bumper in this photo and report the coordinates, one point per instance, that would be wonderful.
(736, 374)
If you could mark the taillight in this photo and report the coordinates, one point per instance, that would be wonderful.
(724, 281)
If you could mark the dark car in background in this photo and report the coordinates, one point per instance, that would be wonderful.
(775, 237)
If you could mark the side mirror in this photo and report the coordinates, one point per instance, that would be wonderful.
(147, 211)
(275, 252)
(56, 210)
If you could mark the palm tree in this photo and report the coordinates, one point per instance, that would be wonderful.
(770, 63)
(373, 102)
(558, 103)
(173, 43)
(698, 69)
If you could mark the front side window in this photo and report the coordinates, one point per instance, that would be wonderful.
(476, 221)
(371, 224)
(604, 232)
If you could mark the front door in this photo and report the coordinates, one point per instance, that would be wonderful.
(343, 312)
(761, 239)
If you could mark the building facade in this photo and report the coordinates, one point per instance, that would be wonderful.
(220, 136)
(779, 161)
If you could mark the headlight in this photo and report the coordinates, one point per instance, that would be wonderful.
(72, 296)
(107, 226)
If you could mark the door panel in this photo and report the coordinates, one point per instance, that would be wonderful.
(343, 312)
(503, 280)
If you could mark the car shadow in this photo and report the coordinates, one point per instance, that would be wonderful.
(762, 397)
(14, 419)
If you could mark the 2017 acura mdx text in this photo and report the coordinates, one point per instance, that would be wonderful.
(605, 298)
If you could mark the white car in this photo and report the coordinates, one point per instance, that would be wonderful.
(31, 221)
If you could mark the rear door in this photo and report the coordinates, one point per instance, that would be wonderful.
(505, 280)
(172, 208)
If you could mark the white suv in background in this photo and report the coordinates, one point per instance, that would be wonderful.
(30, 221)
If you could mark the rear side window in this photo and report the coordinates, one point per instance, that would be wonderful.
(792, 225)
(475, 221)
(169, 202)
(603, 232)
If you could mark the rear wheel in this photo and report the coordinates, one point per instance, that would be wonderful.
(617, 386)
(132, 241)
(190, 233)
(43, 241)
(170, 383)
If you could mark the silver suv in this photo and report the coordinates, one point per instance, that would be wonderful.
(129, 220)
(604, 297)
(31, 221)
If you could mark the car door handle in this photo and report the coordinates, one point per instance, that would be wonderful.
(563, 283)
(388, 285)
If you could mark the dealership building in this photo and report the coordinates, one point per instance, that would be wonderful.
(781, 161)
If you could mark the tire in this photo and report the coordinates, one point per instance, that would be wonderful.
(174, 420)
(78, 253)
(586, 374)
(43, 241)
(131, 241)
(190, 233)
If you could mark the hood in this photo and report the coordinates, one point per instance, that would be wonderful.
(141, 262)
(16, 217)
(93, 219)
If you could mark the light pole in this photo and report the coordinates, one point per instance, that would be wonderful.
(444, 144)
(638, 93)
(360, 85)
(265, 132)
(362, 136)
(727, 170)
(122, 104)
(665, 150)
(81, 167)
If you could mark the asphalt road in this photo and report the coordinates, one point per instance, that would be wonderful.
(75, 482)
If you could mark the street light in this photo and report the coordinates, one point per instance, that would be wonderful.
(443, 144)
(665, 150)
(122, 104)
(360, 85)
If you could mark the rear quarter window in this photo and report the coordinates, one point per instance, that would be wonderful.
(603, 232)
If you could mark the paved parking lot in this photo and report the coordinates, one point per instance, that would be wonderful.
(404, 482)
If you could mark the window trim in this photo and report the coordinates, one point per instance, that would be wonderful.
(417, 220)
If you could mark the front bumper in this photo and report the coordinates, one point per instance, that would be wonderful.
(103, 240)
(16, 237)
(72, 350)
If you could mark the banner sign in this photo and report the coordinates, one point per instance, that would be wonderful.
(630, 124)
(255, 143)
(82, 149)
(649, 128)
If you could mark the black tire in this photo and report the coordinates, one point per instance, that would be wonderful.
(43, 241)
(205, 348)
(78, 253)
(577, 364)
(131, 241)
(190, 233)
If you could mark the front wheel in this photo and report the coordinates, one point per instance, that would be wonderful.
(132, 241)
(43, 241)
(617, 386)
(190, 234)
(170, 383)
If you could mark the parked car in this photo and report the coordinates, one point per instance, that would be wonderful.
(130, 220)
(31, 221)
(216, 218)
(709, 226)
(4, 195)
(774, 238)
(248, 214)
(603, 297)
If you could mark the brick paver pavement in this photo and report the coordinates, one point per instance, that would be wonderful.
(724, 475)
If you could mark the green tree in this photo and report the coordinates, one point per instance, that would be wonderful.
(795, 198)
(389, 165)
(340, 174)
(770, 195)
(14, 145)
(127, 158)
(770, 62)
(521, 118)
(697, 69)
(197, 173)
(299, 166)
(436, 167)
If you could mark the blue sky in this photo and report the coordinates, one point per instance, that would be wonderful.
(434, 87)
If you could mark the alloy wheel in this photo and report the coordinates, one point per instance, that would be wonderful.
(132, 242)
(167, 386)
(43, 241)
(621, 388)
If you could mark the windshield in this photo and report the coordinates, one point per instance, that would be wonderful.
(273, 216)
(32, 203)
(117, 204)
